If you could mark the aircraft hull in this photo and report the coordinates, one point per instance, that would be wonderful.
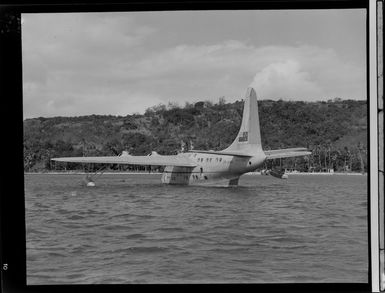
(212, 169)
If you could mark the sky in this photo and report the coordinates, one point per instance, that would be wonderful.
(120, 63)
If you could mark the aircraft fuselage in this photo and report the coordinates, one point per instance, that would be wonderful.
(212, 168)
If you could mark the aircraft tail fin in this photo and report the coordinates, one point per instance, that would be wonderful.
(248, 140)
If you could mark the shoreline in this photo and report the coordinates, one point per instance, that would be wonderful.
(158, 173)
(315, 173)
(86, 173)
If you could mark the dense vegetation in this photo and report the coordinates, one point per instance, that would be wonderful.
(336, 132)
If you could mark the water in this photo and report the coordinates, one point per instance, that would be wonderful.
(133, 229)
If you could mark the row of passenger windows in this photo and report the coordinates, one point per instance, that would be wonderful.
(208, 160)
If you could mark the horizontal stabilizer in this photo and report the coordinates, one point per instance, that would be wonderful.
(287, 153)
(287, 150)
(157, 160)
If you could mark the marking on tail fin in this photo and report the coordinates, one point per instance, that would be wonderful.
(244, 137)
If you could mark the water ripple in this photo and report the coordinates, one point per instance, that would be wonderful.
(132, 229)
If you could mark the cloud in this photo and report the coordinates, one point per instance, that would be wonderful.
(309, 73)
(285, 79)
(94, 63)
(292, 72)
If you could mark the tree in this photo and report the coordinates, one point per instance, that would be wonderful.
(331, 129)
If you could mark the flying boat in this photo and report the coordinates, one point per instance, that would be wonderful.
(203, 167)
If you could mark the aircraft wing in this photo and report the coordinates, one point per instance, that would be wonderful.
(158, 160)
(240, 154)
(271, 154)
(287, 153)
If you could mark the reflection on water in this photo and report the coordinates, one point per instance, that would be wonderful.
(133, 229)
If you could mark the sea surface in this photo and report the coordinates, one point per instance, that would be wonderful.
(133, 229)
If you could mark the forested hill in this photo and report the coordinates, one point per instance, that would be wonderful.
(336, 131)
